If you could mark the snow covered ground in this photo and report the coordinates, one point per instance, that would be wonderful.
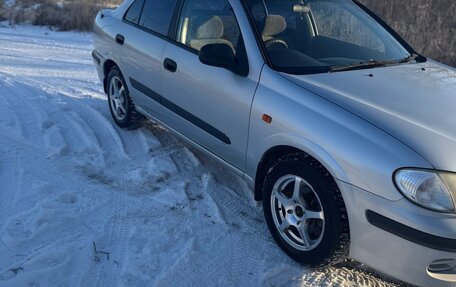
(83, 203)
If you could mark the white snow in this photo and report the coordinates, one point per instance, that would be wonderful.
(9, 3)
(83, 203)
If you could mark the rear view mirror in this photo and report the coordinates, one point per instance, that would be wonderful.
(297, 8)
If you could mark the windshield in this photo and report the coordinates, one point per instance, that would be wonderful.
(311, 36)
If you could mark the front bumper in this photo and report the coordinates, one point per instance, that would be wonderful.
(401, 239)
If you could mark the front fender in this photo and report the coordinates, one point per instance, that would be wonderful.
(353, 150)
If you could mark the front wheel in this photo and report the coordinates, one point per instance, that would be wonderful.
(121, 105)
(305, 211)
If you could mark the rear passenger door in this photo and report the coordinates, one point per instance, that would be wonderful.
(141, 39)
(207, 104)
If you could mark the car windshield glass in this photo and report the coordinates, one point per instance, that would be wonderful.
(311, 36)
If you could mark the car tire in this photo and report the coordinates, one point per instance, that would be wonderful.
(305, 211)
(121, 105)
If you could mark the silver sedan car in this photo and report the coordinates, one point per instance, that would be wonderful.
(346, 134)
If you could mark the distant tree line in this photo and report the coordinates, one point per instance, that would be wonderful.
(63, 15)
(428, 25)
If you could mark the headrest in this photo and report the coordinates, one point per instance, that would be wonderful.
(275, 24)
(208, 28)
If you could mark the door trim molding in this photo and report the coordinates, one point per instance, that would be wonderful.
(181, 112)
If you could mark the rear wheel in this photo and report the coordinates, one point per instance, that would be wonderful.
(122, 108)
(305, 211)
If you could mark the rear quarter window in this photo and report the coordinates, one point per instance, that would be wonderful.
(134, 12)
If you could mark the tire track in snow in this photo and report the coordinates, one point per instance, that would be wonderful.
(337, 276)
(57, 83)
(70, 134)
(229, 202)
(199, 205)
(8, 113)
(103, 129)
(29, 116)
(56, 46)
(107, 137)
(44, 241)
(40, 60)
(136, 143)
(78, 135)
(21, 202)
(47, 120)
(229, 211)
(9, 179)
(116, 232)
(20, 259)
(114, 240)
(77, 139)
(13, 146)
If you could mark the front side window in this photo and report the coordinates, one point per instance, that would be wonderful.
(157, 14)
(204, 22)
(306, 36)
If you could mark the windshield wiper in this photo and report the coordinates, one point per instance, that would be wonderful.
(409, 59)
(362, 65)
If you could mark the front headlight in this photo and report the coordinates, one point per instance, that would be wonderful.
(431, 189)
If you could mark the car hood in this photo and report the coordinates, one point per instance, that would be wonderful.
(415, 103)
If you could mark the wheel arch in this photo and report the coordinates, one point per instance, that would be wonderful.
(266, 162)
(274, 152)
(107, 66)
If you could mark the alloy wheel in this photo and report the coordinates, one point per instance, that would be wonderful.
(298, 213)
(118, 98)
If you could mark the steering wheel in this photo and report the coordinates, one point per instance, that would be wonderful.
(276, 42)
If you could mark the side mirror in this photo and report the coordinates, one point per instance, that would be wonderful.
(222, 56)
(219, 55)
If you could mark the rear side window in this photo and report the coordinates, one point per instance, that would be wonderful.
(134, 12)
(156, 15)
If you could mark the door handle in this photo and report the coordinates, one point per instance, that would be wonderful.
(120, 39)
(170, 65)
